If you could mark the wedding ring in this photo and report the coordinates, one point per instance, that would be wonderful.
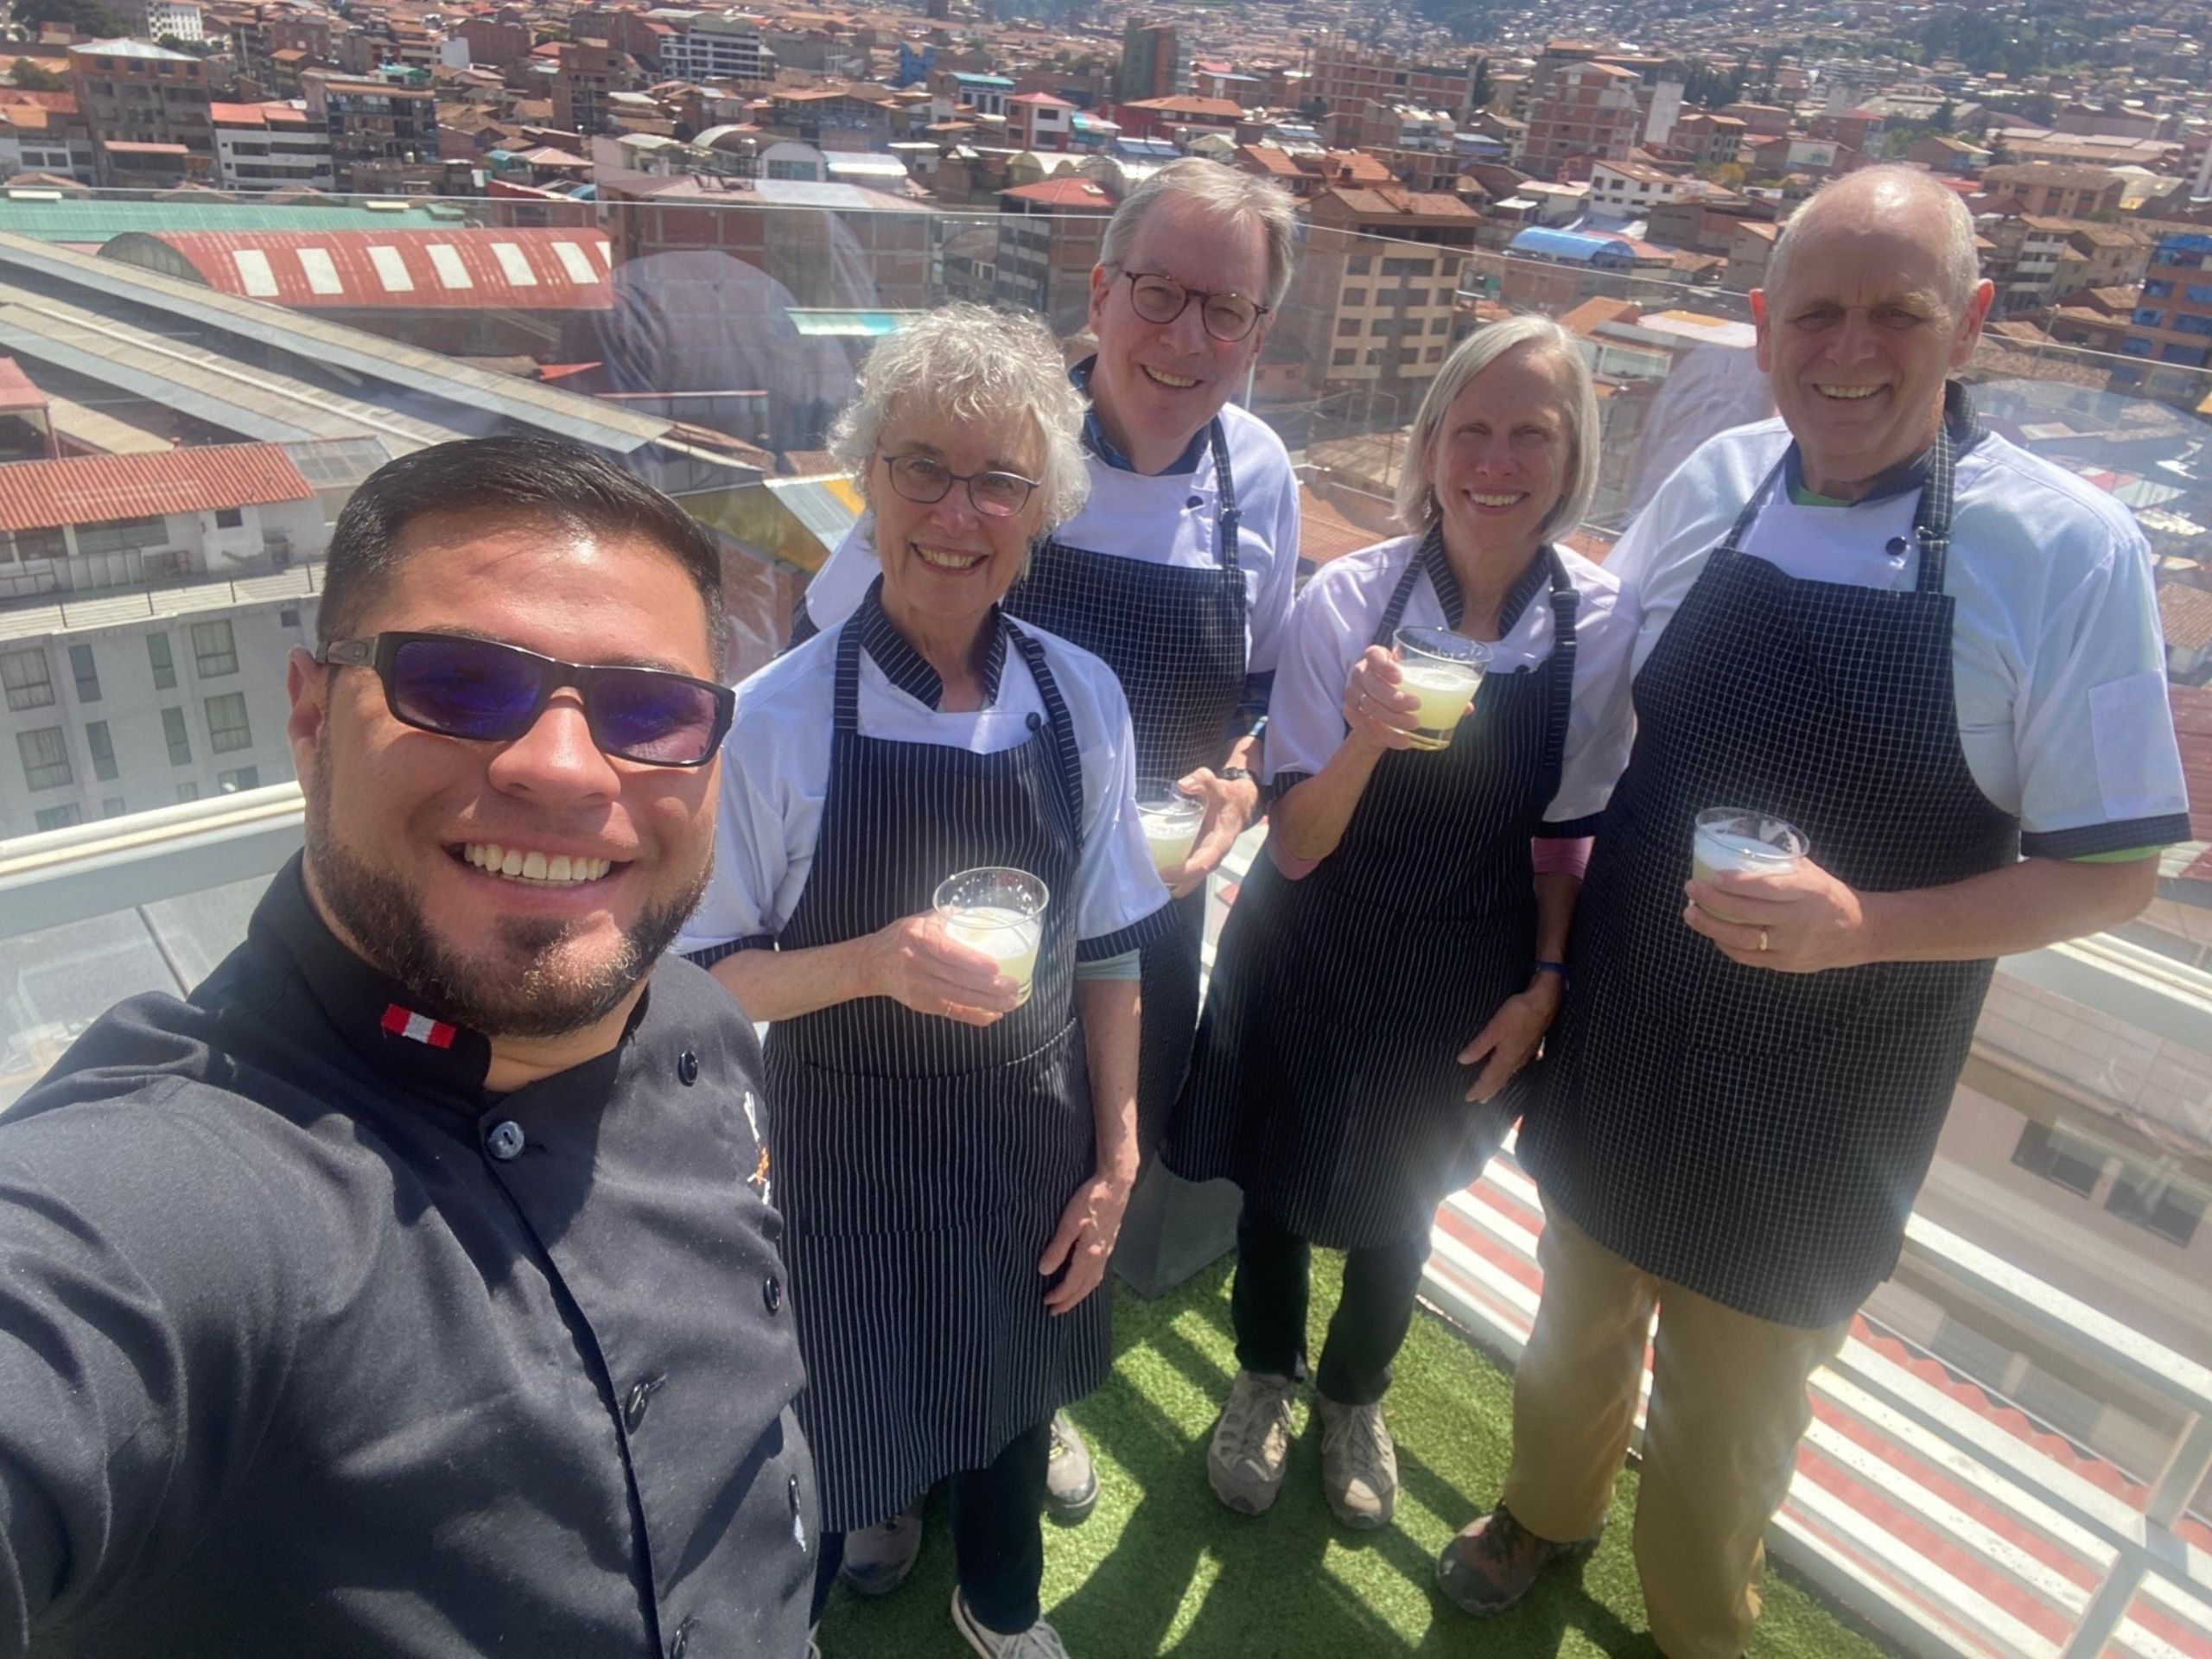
(1762, 938)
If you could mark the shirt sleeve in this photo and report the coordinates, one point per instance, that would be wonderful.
(1305, 721)
(839, 586)
(1600, 722)
(1121, 902)
(1278, 588)
(2099, 764)
(753, 854)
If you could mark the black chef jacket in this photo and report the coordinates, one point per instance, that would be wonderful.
(310, 1346)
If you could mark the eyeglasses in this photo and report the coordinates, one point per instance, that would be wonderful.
(1228, 317)
(995, 495)
(459, 686)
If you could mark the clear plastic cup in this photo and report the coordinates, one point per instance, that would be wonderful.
(1171, 821)
(1442, 671)
(1000, 912)
(1732, 839)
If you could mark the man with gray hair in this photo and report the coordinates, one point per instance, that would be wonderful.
(1929, 665)
(1179, 573)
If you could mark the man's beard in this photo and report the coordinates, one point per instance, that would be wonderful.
(548, 996)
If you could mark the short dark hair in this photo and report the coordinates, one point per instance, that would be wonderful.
(527, 475)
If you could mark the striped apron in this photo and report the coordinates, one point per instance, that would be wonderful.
(921, 1164)
(1760, 1137)
(1174, 637)
(1326, 1081)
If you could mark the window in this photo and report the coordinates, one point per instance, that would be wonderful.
(123, 536)
(157, 652)
(101, 749)
(215, 649)
(227, 728)
(187, 793)
(180, 740)
(2065, 1160)
(28, 680)
(1374, 356)
(287, 619)
(1347, 325)
(2148, 316)
(60, 817)
(229, 517)
(1411, 354)
(245, 777)
(1355, 296)
(1343, 357)
(28, 544)
(2149, 1200)
(1965, 1349)
(1416, 296)
(1409, 267)
(1435, 354)
(1360, 264)
(112, 807)
(87, 672)
(1380, 325)
(2064, 1406)
(1439, 325)
(46, 758)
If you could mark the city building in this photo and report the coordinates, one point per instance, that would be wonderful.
(1587, 112)
(163, 20)
(586, 76)
(270, 147)
(2054, 189)
(714, 47)
(379, 131)
(1346, 76)
(1039, 121)
(148, 111)
(1379, 313)
(1049, 238)
(1155, 61)
(2173, 318)
(1631, 188)
(1710, 140)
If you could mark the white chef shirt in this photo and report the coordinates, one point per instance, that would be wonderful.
(2057, 660)
(775, 775)
(1334, 622)
(1162, 519)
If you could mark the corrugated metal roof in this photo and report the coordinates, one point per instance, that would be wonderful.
(92, 489)
(386, 362)
(95, 219)
(829, 507)
(1571, 245)
(504, 270)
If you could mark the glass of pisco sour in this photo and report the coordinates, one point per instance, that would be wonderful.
(1441, 670)
(1000, 912)
(1171, 821)
(1730, 840)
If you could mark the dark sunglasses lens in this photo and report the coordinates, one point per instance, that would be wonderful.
(659, 718)
(464, 688)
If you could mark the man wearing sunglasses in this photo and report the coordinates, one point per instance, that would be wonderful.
(412, 1287)
(1179, 573)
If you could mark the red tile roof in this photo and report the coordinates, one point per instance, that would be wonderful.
(90, 489)
(399, 269)
(1079, 194)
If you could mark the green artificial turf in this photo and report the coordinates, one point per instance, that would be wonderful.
(1160, 1567)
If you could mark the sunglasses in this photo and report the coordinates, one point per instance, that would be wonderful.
(485, 692)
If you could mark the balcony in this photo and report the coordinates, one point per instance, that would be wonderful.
(2009, 1458)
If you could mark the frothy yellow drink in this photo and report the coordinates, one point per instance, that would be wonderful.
(1444, 690)
(1008, 937)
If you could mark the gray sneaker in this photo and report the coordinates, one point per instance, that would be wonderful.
(1071, 1484)
(879, 1558)
(1040, 1640)
(1359, 1464)
(1251, 1443)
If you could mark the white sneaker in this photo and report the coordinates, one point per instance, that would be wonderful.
(1040, 1640)
(1359, 1464)
(879, 1558)
(1251, 1443)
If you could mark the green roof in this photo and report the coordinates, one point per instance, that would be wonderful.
(94, 219)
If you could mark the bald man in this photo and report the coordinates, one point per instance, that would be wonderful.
(1939, 659)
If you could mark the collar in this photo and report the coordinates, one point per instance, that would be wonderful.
(386, 1024)
(1095, 438)
(1526, 586)
(1967, 429)
(907, 668)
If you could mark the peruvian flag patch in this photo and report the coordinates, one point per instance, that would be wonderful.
(405, 1022)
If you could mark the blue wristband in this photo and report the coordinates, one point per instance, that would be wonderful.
(1558, 967)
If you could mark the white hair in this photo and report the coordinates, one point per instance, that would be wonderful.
(1894, 189)
(1577, 400)
(1239, 198)
(973, 363)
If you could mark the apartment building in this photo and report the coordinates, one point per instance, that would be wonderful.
(271, 147)
(1587, 113)
(1155, 62)
(105, 710)
(2054, 189)
(377, 130)
(2173, 317)
(714, 47)
(1346, 76)
(147, 108)
(1379, 312)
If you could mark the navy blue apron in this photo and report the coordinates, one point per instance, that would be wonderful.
(1326, 1081)
(1758, 1136)
(922, 1165)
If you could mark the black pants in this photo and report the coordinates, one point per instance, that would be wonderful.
(998, 1536)
(1267, 1306)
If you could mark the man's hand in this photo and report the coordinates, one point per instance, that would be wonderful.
(1512, 1036)
(1803, 921)
(1084, 1242)
(1231, 805)
(1377, 714)
(914, 962)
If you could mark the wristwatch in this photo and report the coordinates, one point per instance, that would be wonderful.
(1234, 775)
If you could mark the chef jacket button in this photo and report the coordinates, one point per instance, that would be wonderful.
(1036, 720)
(505, 1141)
(1195, 501)
(772, 1292)
(1897, 547)
(633, 1408)
(791, 1491)
(682, 1642)
(687, 1067)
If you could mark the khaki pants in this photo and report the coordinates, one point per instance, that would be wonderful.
(1728, 1407)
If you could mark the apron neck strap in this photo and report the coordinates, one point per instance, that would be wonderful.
(1069, 760)
(1566, 601)
(846, 705)
(1431, 548)
(1226, 517)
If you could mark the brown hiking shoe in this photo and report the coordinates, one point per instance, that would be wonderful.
(1492, 1565)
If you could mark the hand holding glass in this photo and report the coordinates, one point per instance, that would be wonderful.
(1731, 841)
(1441, 670)
(1000, 912)
(1171, 821)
